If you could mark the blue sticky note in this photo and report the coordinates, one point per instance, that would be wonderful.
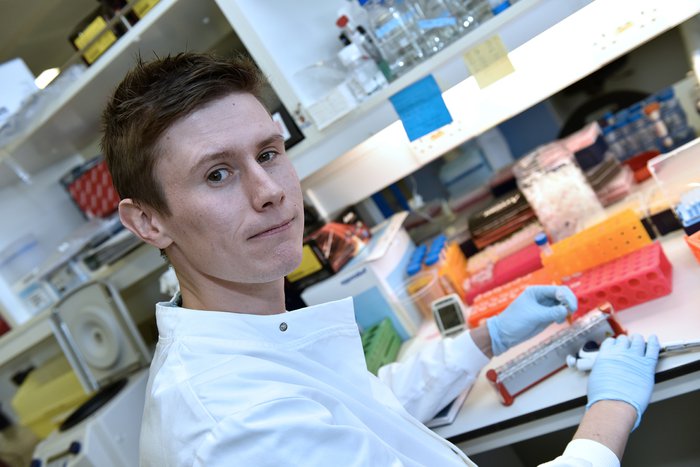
(421, 108)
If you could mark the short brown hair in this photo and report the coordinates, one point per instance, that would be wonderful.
(151, 98)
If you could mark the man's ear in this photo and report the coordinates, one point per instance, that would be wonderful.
(144, 222)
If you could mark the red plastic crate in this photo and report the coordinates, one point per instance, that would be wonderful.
(496, 300)
(638, 277)
(90, 185)
(511, 267)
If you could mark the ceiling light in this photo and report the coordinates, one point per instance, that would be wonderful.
(45, 77)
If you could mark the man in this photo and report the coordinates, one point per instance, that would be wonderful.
(235, 380)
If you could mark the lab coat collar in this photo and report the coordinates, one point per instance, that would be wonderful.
(177, 322)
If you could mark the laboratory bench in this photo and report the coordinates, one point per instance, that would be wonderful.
(484, 423)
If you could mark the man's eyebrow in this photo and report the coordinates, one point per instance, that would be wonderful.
(219, 155)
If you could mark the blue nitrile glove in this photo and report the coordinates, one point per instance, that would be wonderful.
(534, 309)
(624, 371)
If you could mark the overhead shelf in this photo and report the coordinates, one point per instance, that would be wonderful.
(547, 63)
(71, 121)
(297, 36)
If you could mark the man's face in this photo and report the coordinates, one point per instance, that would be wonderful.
(235, 200)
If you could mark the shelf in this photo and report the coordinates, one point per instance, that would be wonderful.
(579, 44)
(267, 36)
(71, 122)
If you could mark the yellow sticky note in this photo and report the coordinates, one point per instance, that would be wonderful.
(488, 61)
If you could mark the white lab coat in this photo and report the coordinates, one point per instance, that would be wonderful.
(292, 389)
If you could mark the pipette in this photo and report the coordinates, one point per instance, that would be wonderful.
(585, 357)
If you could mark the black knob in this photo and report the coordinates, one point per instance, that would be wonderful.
(74, 447)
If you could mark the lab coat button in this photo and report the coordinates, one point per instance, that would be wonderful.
(283, 327)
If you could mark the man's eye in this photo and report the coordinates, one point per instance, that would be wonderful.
(267, 157)
(218, 175)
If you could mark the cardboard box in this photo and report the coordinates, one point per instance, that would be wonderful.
(373, 279)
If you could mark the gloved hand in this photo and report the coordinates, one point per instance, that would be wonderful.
(534, 309)
(624, 371)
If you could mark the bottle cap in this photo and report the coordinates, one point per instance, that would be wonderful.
(412, 268)
(431, 259)
(541, 239)
(665, 94)
(634, 117)
(342, 21)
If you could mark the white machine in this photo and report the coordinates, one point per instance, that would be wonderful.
(106, 351)
(108, 437)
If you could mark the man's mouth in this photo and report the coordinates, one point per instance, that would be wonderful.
(277, 228)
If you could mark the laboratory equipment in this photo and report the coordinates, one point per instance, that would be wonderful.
(494, 301)
(616, 236)
(108, 356)
(584, 359)
(449, 312)
(91, 189)
(588, 145)
(518, 264)
(49, 392)
(375, 280)
(542, 242)
(678, 177)
(380, 344)
(97, 335)
(396, 34)
(693, 242)
(420, 291)
(638, 277)
(557, 190)
(500, 218)
(673, 115)
(548, 357)
(364, 75)
(469, 14)
(437, 24)
(107, 436)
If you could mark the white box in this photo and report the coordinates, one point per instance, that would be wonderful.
(17, 83)
(372, 279)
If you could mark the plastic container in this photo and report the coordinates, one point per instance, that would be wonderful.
(612, 238)
(643, 132)
(557, 190)
(693, 242)
(629, 280)
(677, 173)
(19, 258)
(365, 77)
(358, 36)
(47, 396)
(420, 291)
(663, 138)
(542, 242)
(672, 114)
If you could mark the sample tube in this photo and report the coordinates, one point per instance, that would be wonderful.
(542, 241)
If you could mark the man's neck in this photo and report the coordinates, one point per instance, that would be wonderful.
(254, 299)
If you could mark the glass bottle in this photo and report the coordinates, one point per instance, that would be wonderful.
(396, 34)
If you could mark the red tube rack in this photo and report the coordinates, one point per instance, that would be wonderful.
(638, 277)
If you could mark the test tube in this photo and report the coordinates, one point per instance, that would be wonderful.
(542, 241)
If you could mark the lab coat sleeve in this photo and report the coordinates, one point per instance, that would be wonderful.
(290, 431)
(427, 381)
(585, 453)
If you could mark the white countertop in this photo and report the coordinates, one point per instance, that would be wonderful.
(485, 423)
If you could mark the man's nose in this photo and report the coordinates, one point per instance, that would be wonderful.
(265, 191)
